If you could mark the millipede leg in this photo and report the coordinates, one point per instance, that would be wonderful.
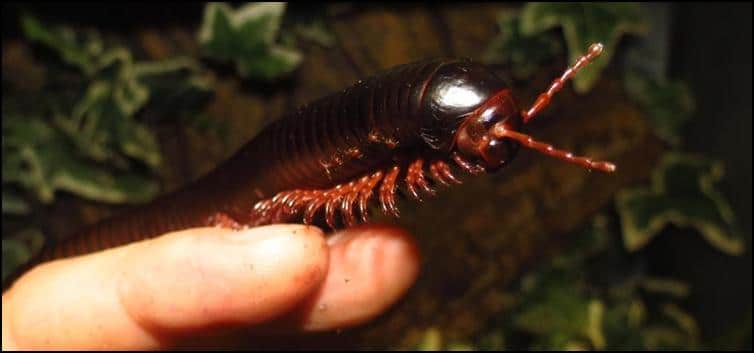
(366, 193)
(414, 169)
(312, 207)
(330, 207)
(421, 181)
(285, 205)
(223, 220)
(387, 192)
(466, 165)
(440, 172)
(346, 206)
(445, 172)
(436, 175)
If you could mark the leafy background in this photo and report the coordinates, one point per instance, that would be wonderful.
(101, 115)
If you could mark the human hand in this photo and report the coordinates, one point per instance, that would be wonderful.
(210, 286)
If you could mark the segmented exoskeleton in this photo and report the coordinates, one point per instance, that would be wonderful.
(403, 128)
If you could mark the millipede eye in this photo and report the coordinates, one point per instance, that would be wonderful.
(497, 153)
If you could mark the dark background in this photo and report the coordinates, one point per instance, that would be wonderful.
(710, 49)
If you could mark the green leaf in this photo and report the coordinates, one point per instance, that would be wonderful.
(669, 104)
(247, 37)
(14, 203)
(61, 40)
(666, 286)
(583, 24)
(522, 54)
(315, 31)
(558, 314)
(96, 184)
(19, 247)
(683, 193)
(269, 64)
(89, 148)
(684, 320)
(593, 328)
(50, 162)
(137, 141)
(432, 340)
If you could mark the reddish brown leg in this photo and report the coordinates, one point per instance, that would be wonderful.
(415, 179)
(436, 175)
(466, 165)
(440, 172)
(366, 192)
(223, 220)
(387, 192)
(421, 181)
(332, 205)
(259, 213)
(313, 207)
(284, 205)
(411, 175)
(346, 207)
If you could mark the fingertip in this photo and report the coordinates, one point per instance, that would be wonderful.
(371, 268)
(215, 278)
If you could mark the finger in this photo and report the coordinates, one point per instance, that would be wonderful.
(152, 293)
(371, 267)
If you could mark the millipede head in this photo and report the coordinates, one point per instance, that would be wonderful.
(489, 136)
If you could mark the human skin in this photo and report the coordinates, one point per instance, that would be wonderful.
(211, 287)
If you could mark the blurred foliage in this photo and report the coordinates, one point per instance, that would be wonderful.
(523, 55)
(433, 341)
(42, 159)
(14, 203)
(595, 297)
(91, 149)
(80, 128)
(247, 36)
(562, 306)
(668, 104)
(314, 30)
(19, 248)
(592, 295)
(683, 192)
(583, 24)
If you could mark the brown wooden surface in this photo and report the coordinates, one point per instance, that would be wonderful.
(475, 238)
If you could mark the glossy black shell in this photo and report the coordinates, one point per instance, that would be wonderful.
(403, 112)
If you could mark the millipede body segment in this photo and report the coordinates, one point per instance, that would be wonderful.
(408, 128)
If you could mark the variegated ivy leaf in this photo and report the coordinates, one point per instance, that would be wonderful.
(87, 147)
(102, 123)
(683, 193)
(562, 305)
(522, 54)
(248, 36)
(669, 104)
(556, 312)
(49, 161)
(65, 43)
(583, 24)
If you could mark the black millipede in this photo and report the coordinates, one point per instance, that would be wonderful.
(405, 127)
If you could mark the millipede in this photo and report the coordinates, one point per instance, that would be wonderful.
(409, 128)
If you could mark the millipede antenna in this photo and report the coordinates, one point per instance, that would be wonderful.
(544, 99)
